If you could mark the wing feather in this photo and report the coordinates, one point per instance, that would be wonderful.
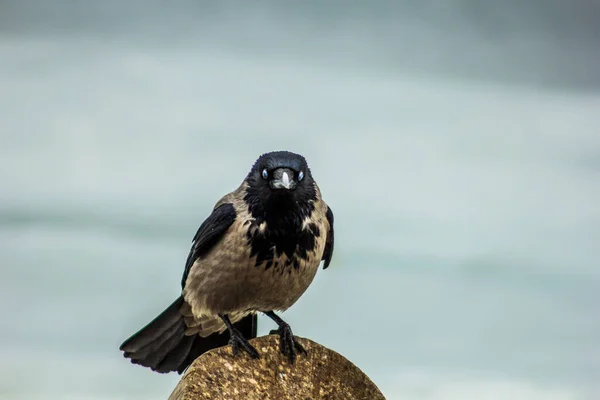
(209, 234)
(328, 252)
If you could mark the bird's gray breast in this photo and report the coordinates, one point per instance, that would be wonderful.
(256, 267)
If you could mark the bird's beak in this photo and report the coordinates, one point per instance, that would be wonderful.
(283, 178)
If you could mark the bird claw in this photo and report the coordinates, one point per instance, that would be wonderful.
(237, 340)
(288, 344)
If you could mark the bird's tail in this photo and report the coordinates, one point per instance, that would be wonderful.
(163, 346)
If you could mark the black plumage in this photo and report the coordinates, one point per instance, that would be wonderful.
(208, 234)
(256, 252)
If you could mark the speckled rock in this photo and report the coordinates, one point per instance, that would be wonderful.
(322, 374)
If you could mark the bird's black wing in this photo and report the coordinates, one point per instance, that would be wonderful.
(328, 252)
(209, 233)
(162, 344)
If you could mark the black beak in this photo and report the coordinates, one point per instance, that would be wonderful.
(283, 178)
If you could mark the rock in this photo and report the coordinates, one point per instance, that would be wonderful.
(322, 374)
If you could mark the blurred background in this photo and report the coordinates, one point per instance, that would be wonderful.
(457, 142)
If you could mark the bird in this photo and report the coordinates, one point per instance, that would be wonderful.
(257, 252)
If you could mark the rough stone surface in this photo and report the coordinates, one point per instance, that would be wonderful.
(322, 374)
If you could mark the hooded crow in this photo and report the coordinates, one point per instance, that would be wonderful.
(258, 251)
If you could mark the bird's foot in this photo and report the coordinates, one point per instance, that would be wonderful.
(237, 340)
(288, 344)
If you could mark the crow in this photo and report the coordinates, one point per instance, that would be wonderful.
(258, 251)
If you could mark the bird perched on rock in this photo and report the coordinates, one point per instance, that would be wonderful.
(258, 251)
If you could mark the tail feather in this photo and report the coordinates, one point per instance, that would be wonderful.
(163, 346)
(159, 343)
(177, 357)
(160, 349)
(155, 328)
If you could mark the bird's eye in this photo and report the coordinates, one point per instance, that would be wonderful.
(300, 176)
(265, 174)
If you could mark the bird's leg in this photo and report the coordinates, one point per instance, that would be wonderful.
(237, 339)
(288, 344)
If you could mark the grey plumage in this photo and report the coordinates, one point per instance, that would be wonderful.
(258, 251)
(230, 269)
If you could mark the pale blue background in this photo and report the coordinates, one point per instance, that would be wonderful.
(458, 146)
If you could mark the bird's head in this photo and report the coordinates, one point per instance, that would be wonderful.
(281, 175)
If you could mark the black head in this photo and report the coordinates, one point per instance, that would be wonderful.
(282, 172)
(280, 177)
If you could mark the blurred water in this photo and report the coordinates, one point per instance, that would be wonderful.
(467, 215)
